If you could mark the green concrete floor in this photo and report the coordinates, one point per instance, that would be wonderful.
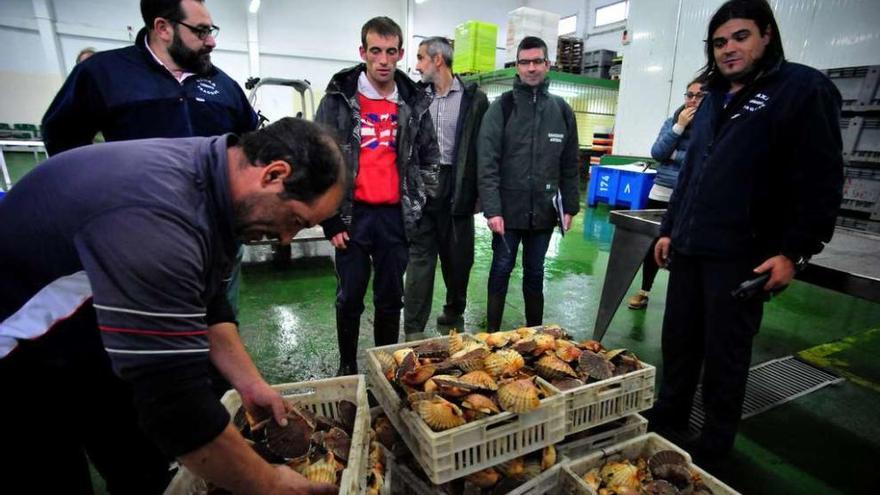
(821, 443)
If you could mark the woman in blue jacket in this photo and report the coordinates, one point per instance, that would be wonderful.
(669, 150)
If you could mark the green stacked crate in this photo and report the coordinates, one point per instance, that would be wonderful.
(475, 47)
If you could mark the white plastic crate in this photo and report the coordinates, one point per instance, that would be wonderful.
(321, 397)
(641, 446)
(597, 403)
(633, 426)
(458, 452)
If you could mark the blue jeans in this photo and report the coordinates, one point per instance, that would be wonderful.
(504, 250)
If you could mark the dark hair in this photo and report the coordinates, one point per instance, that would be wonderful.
(384, 27)
(310, 149)
(530, 42)
(166, 9)
(438, 45)
(700, 79)
(758, 11)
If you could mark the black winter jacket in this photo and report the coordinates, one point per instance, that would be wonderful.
(418, 157)
(764, 175)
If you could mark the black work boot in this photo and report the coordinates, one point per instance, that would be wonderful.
(347, 330)
(494, 311)
(534, 302)
(386, 329)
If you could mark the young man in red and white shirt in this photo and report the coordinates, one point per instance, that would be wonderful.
(391, 151)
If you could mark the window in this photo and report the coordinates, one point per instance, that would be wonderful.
(612, 14)
(568, 25)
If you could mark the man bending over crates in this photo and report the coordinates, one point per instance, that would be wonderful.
(528, 162)
(113, 258)
(447, 224)
(757, 196)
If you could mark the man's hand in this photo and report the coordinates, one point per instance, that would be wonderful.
(781, 269)
(686, 116)
(496, 224)
(293, 483)
(661, 251)
(259, 399)
(339, 240)
(566, 222)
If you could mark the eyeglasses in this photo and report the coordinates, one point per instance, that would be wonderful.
(527, 62)
(201, 31)
(698, 95)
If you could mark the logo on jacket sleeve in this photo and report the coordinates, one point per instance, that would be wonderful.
(207, 86)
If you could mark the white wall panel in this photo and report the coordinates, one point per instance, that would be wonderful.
(845, 33)
(645, 81)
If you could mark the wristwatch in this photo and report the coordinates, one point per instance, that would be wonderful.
(800, 261)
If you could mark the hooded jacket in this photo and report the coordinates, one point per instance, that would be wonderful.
(525, 161)
(418, 157)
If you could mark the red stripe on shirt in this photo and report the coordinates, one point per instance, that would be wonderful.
(170, 333)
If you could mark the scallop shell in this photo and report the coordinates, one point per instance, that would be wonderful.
(555, 331)
(387, 364)
(498, 339)
(526, 331)
(420, 396)
(480, 403)
(385, 433)
(665, 457)
(338, 442)
(482, 336)
(481, 379)
(432, 348)
(504, 362)
(567, 351)
(618, 474)
(376, 481)
(591, 345)
(592, 479)
(548, 457)
(595, 366)
(400, 354)
(567, 383)
(514, 468)
(544, 343)
(525, 345)
(419, 375)
(486, 478)
(551, 367)
(677, 474)
(440, 414)
(519, 396)
(291, 440)
(660, 487)
(470, 359)
(323, 471)
(377, 454)
(456, 342)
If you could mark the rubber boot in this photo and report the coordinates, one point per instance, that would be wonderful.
(386, 329)
(347, 330)
(534, 302)
(494, 311)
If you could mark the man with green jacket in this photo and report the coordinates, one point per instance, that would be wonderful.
(447, 224)
(527, 179)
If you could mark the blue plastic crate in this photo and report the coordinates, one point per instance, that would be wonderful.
(620, 185)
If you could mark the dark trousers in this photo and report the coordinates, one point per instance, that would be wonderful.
(62, 402)
(377, 238)
(504, 250)
(649, 266)
(704, 326)
(450, 237)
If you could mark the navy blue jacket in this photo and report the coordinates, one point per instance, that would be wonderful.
(141, 231)
(763, 176)
(126, 94)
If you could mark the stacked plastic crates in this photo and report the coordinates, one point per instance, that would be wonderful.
(860, 129)
(474, 47)
(597, 63)
(569, 54)
(526, 21)
(578, 421)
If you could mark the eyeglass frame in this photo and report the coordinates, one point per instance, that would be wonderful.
(688, 95)
(535, 61)
(201, 32)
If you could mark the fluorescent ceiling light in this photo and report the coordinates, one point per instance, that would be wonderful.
(254, 7)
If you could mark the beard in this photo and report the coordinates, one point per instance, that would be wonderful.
(197, 61)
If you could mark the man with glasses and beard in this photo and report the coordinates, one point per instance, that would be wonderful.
(163, 86)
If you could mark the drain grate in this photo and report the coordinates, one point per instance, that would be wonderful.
(771, 384)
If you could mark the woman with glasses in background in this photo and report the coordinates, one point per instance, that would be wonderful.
(669, 150)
